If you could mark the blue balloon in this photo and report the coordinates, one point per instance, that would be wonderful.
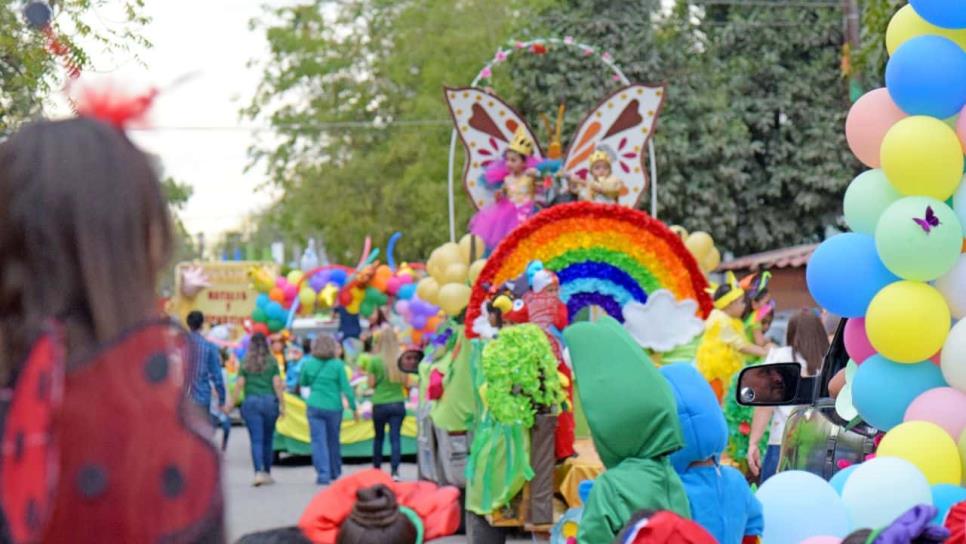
(944, 13)
(798, 505)
(838, 481)
(845, 273)
(338, 277)
(275, 311)
(927, 76)
(262, 301)
(882, 389)
(406, 292)
(944, 497)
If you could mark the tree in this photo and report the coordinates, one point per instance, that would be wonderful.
(28, 70)
(360, 128)
(750, 145)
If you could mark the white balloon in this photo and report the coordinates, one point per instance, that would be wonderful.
(843, 404)
(953, 288)
(954, 357)
(882, 489)
(959, 203)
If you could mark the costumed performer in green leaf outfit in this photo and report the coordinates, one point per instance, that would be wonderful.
(633, 418)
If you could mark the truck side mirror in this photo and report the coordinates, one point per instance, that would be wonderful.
(779, 384)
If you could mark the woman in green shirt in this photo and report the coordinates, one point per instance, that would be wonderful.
(390, 389)
(263, 405)
(325, 375)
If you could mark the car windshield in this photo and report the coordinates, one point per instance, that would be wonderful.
(835, 360)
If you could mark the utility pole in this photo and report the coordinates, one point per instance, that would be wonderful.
(850, 12)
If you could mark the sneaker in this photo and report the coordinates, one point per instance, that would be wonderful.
(259, 480)
(395, 476)
(268, 480)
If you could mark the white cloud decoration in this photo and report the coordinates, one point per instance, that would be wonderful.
(663, 323)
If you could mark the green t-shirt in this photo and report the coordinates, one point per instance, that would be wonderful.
(328, 382)
(260, 383)
(385, 392)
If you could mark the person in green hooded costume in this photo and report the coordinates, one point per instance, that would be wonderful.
(632, 414)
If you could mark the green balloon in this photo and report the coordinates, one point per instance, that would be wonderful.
(915, 244)
(850, 369)
(259, 316)
(275, 325)
(869, 194)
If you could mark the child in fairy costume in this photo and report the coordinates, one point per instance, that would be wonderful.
(604, 187)
(516, 181)
(725, 348)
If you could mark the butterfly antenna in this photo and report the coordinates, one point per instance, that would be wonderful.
(546, 125)
(560, 121)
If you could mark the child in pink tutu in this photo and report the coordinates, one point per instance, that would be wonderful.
(515, 179)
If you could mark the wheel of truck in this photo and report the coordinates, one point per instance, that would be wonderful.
(479, 531)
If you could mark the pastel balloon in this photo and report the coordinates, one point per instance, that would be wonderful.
(392, 287)
(838, 480)
(943, 406)
(919, 238)
(923, 156)
(867, 197)
(953, 361)
(798, 505)
(856, 341)
(927, 446)
(822, 540)
(699, 243)
(959, 197)
(453, 297)
(870, 492)
(844, 406)
(942, 13)
(869, 119)
(449, 253)
(294, 277)
(847, 295)
(456, 273)
(306, 297)
(908, 322)
(475, 269)
(953, 288)
(428, 289)
(407, 291)
(907, 24)
(961, 445)
(926, 75)
(472, 247)
(882, 390)
(944, 497)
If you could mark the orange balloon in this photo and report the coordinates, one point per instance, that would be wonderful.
(417, 337)
(277, 295)
(433, 323)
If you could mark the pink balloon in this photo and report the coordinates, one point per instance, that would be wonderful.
(869, 119)
(402, 308)
(937, 359)
(393, 285)
(280, 282)
(290, 291)
(943, 406)
(857, 341)
(822, 540)
(961, 128)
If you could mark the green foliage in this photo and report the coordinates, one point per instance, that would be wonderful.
(872, 55)
(177, 194)
(361, 131)
(30, 73)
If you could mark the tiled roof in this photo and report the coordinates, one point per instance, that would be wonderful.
(789, 257)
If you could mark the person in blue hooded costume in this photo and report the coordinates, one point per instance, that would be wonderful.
(719, 496)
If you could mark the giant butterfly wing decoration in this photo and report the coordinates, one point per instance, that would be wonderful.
(28, 451)
(621, 124)
(486, 126)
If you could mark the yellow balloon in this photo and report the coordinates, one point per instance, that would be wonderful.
(908, 321)
(306, 298)
(923, 156)
(680, 231)
(455, 273)
(261, 279)
(449, 253)
(453, 297)
(962, 452)
(906, 24)
(327, 295)
(699, 244)
(467, 248)
(927, 446)
(475, 270)
(294, 277)
(428, 290)
(711, 261)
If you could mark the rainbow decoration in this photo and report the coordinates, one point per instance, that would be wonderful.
(605, 255)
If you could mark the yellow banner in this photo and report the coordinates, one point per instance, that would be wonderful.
(230, 297)
(296, 425)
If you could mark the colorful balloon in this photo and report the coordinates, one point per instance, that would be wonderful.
(838, 480)
(953, 288)
(919, 238)
(953, 360)
(927, 446)
(870, 494)
(294, 277)
(944, 497)
(926, 75)
(882, 390)
(907, 24)
(847, 295)
(472, 248)
(449, 253)
(454, 297)
(923, 156)
(942, 13)
(455, 273)
(475, 269)
(868, 121)
(307, 298)
(407, 291)
(798, 505)
(908, 322)
(277, 294)
(856, 341)
(428, 289)
(867, 197)
(943, 406)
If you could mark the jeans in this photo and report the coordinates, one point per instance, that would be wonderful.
(260, 413)
(393, 415)
(324, 427)
(769, 466)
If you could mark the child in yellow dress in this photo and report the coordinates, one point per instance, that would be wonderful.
(725, 347)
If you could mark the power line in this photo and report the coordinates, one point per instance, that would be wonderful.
(370, 125)
(767, 4)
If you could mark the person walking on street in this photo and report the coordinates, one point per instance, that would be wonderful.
(324, 374)
(207, 367)
(260, 381)
(390, 389)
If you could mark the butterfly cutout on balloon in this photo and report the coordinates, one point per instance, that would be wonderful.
(622, 123)
(929, 222)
